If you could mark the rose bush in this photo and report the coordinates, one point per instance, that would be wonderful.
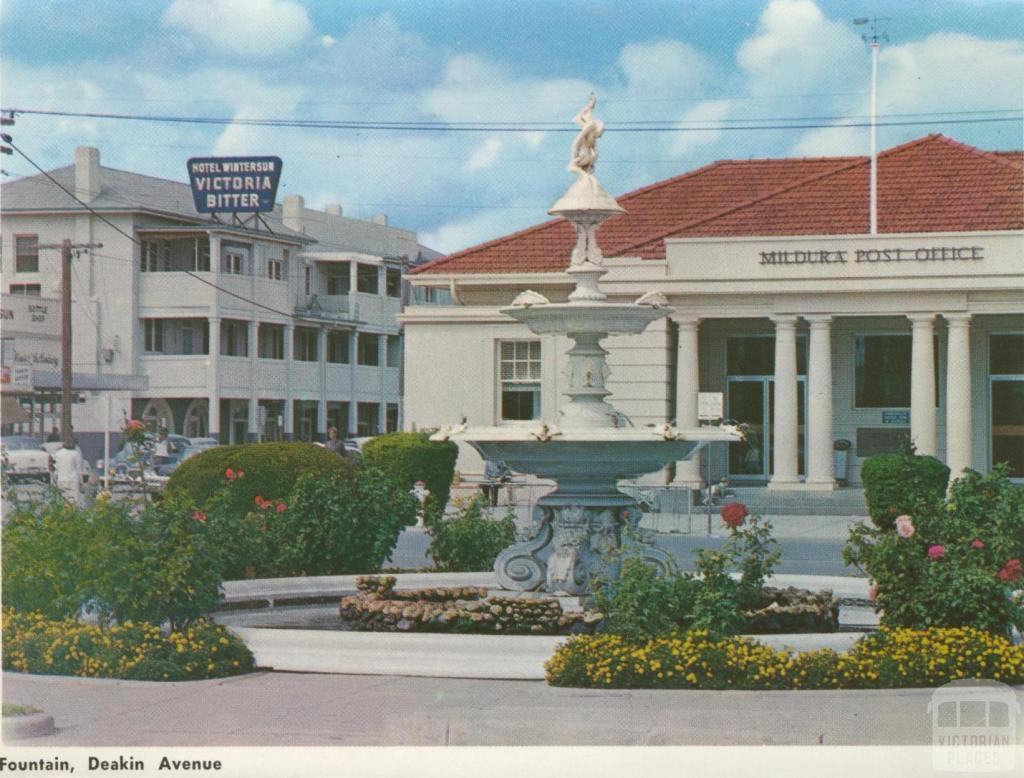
(951, 564)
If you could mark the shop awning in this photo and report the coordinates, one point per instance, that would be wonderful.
(97, 382)
(11, 411)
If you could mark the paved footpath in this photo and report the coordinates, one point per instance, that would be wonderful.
(298, 709)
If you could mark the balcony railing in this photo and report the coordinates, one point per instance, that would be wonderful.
(329, 307)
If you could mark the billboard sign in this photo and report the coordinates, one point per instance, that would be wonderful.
(234, 184)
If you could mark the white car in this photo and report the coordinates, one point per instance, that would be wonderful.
(24, 458)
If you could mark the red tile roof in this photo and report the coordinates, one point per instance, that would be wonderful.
(933, 184)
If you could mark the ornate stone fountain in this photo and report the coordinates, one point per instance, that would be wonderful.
(588, 450)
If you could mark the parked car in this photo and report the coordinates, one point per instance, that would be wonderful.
(52, 447)
(149, 466)
(24, 458)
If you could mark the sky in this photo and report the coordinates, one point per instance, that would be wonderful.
(686, 65)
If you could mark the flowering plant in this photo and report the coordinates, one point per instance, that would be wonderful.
(734, 513)
(134, 431)
(954, 565)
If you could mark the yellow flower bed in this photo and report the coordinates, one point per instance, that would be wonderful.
(34, 644)
(885, 659)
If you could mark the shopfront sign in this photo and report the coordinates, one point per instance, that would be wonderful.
(234, 184)
(710, 406)
(923, 254)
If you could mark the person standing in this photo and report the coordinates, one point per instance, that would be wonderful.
(334, 443)
(69, 468)
(54, 436)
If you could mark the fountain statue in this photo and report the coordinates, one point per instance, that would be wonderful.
(587, 450)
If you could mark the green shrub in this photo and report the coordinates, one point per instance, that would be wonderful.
(469, 540)
(335, 524)
(639, 605)
(951, 565)
(153, 563)
(902, 483)
(882, 660)
(409, 457)
(270, 470)
(135, 651)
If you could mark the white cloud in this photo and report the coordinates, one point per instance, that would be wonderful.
(249, 28)
(485, 155)
(711, 112)
(796, 48)
(464, 232)
(664, 68)
(327, 41)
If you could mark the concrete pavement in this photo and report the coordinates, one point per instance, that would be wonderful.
(274, 709)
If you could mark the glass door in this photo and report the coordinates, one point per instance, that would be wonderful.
(751, 401)
(1008, 423)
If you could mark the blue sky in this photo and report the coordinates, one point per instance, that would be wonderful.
(482, 60)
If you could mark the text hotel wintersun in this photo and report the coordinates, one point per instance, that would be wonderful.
(842, 256)
(95, 764)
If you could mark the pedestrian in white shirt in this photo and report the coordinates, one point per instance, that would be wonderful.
(69, 467)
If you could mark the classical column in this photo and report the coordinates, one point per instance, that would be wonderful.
(958, 393)
(213, 376)
(922, 383)
(321, 355)
(687, 387)
(785, 471)
(820, 467)
(254, 419)
(289, 377)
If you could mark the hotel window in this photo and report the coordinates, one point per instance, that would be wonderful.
(1006, 381)
(367, 279)
(394, 351)
(201, 259)
(339, 279)
(234, 338)
(519, 365)
(882, 371)
(271, 341)
(338, 348)
(153, 331)
(234, 262)
(393, 282)
(275, 270)
(367, 419)
(391, 422)
(26, 253)
(368, 349)
(305, 344)
(28, 290)
(309, 280)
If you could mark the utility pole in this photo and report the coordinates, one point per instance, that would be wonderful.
(66, 247)
(874, 40)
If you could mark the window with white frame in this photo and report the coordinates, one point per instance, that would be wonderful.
(234, 262)
(275, 269)
(519, 376)
(26, 253)
(234, 338)
(153, 331)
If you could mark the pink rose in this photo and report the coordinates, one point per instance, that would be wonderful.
(199, 516)
(977, 544)
(281, 507)
(904, 526)
(1012, 571)
(936, 552)
(229, 474)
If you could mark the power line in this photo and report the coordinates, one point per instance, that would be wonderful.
(507, 127)
(137, 242)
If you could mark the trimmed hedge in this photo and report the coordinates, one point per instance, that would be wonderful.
(902, 483)
(409, 457)
(133, 651)
(271, 470)
(887, 659)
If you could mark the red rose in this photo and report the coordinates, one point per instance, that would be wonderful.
(977, 544)
(229, 474)
(260, 503)
(1012, 571)
(734, 513)
(199, 516)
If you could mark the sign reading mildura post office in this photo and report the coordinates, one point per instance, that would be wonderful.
(234, 184)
